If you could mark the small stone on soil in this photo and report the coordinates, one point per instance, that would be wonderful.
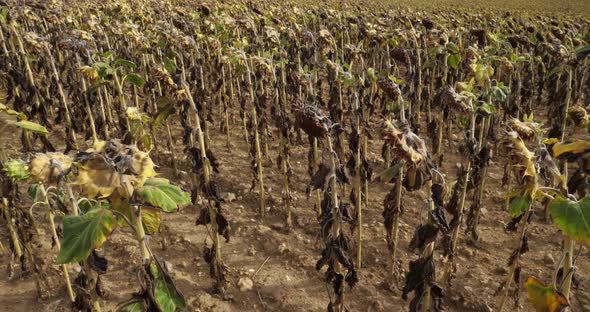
(501, 270)
(228, 197)
(283, 248)
(548, 259)
(245, 283)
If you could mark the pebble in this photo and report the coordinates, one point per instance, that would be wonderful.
(245, 283)
(548, 259)
(251, 251)
(501, 270)
(262, 229)
(469, 253)
(169, 266)
(228, 197)
(283, 248)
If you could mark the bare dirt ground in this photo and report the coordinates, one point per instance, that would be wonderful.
(288, 281)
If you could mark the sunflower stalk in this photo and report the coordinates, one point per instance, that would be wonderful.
(568, 247)
(258, 156)
(45, 200)
(63, 99)
(398, 204)
(512, 269)
(13, 234)
(448, 268)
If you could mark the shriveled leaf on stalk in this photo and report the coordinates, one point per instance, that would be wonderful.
(16, 169)
(578, 116)
(165, 108)
(424, 235)
(30, 126)
(448, 97)
(390, 88)
(310, 120)
(82, 234)
(402, 146)
(525, 129)
(159, 193)
(318, 181)
(572, 218)
(421, 273)
(525, 157)
(544, 298)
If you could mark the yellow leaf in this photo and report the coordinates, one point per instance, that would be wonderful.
(544, 298)
(89, 72)
(98, 179)
(97, 147)
(576, 147)
(550, 141)
(143, 167)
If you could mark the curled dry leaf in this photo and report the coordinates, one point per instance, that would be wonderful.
(523, 161)
(310, 120)
(390, 88)
(453, 100)
(47, 168)
(578, 116)
(526, 130)
(405, 144)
